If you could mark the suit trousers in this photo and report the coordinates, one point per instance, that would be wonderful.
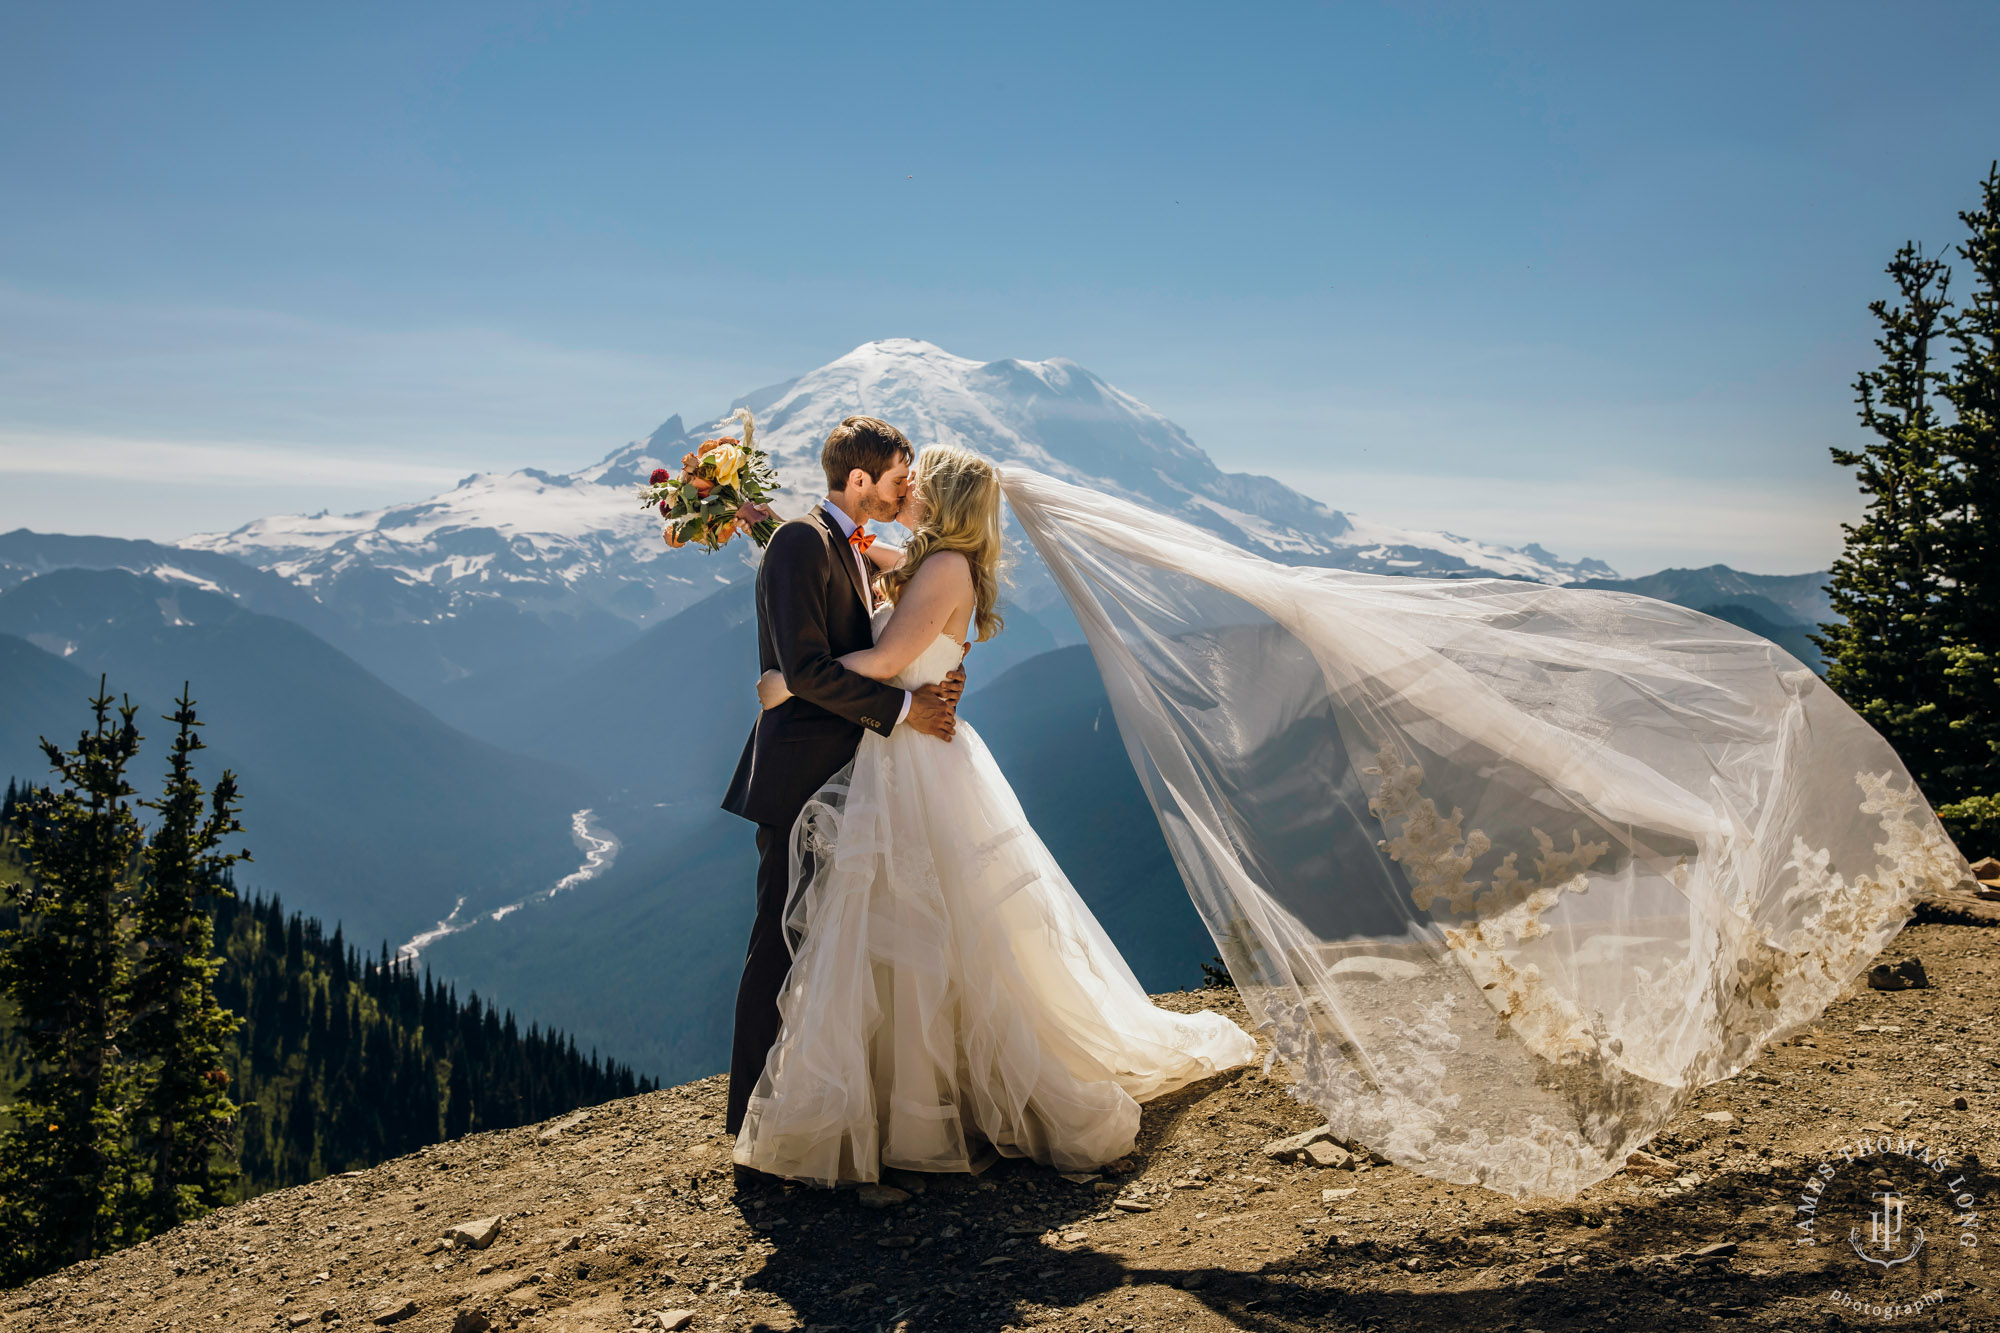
(765, 967)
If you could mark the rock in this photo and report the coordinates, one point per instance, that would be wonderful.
(674, 1320)
(1333, 1196)
(1106, 1187)
(858, 1289)
(476, 1234)
(471, 1321)
(1720, 1249)
(1072, 1237)
(1906, 975)
(881, 1196)
(1193, 1281)
(1986, 869)
(1132, 1205)
(560, 1127)
(1719, 1117)
(297, 1320)
(1120, 1167)
(1643, 1163)
(1960, 1104)
(393, 1311)
(1293, 1146)
(910, 1182)
(1081, 1177)
(896, 1242)
(1359, 966)
(1321, 1153)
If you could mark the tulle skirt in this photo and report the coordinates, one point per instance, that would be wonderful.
(950, 989)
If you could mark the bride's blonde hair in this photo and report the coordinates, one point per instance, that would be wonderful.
(961, 494)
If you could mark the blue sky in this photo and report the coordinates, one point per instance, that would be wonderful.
(1594, 276)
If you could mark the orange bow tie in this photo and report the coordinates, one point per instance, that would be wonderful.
(860, 540)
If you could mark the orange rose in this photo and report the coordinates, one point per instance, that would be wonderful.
(702, 486)
(674, 542)
(688, 462)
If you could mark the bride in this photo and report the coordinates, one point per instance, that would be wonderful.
(948, 988)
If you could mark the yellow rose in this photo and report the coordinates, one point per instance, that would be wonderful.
(727, 460)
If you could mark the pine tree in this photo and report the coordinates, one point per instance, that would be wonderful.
(1887, 659)
(1972, 676)
(63, 1160)
(183, 1115)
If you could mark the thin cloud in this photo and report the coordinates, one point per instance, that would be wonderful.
(115, 460)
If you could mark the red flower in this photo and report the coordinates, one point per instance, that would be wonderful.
(663, 508)
(660, 474)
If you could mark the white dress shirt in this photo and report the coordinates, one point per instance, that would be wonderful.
(847, 527)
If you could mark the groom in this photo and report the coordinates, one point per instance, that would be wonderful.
(813, 604)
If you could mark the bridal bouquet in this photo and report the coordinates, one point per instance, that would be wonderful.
(723, 490)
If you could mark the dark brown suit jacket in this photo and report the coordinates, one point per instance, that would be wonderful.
(811, 608)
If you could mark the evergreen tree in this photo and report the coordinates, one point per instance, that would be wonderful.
(183, 1115)
(1887, 659)
(63, 1160)
(1972, 673)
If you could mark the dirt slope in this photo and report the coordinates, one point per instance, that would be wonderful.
(612, 1217)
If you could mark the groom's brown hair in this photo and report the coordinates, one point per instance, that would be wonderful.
(868, 443)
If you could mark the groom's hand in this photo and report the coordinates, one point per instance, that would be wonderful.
(952, 687)
(932, 712)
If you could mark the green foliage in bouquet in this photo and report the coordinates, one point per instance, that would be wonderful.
(723, 491)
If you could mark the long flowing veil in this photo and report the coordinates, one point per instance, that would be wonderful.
(1505, 871)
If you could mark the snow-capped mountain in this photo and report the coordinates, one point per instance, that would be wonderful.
(579, 543)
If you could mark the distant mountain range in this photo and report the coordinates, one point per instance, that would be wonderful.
(421, 698)
(360, 804)
(1784, 608)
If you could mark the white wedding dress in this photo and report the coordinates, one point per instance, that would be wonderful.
(948, 987)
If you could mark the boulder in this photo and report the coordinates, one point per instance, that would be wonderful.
(476, 1234)
(1293, 1146)
(1906, 975)
(1643, 1163)
(1321, 1152)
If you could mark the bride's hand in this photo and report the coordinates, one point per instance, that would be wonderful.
(771, 690)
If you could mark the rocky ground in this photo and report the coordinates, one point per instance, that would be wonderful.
(626, 1216)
